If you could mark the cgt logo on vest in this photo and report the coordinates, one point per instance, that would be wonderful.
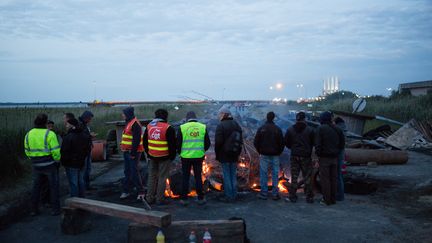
(155, 134)
(194, 133)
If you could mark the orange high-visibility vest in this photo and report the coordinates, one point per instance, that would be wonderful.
(157, 141)
(126, 142)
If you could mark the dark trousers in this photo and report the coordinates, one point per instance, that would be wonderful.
(304, 165)
(132, 177)
(53, 179)
(328, 178)
(196, 164)
(45, 190)
(87, 171)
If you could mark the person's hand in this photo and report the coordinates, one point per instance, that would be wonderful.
(93, 134)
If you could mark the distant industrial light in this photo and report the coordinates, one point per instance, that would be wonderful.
(271, 87)
(279, 86)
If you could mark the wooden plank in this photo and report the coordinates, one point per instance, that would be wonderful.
(138, 215)
(221, 231)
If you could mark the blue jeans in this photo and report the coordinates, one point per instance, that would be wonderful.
(87, 171)
(53, 179)
(340, 183)
(131, 173)
(76, 181)
(265, 161)
(229, 171)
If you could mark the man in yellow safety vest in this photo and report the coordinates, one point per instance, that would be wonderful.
(42, 147)
(192, 142)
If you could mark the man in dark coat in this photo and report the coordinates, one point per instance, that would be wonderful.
(330, 141)
(228, 147)
(85, 120)
(74, 150)
(300, 139)
(270, 144)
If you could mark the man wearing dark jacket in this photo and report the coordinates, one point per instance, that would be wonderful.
(132, 146)
(160, 145)
(228, 146)
(330, 141)
(74, 150)
(192, 142)
(85, 120)
(300, 139)
(270, 144)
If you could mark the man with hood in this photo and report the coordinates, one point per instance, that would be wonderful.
(269, 143)
(192, 143)
(300, 139)
(74, 150)
(330, 141)
(85, 120)
(160, 145)
(132, 146)
(228, 147)
(42, 147)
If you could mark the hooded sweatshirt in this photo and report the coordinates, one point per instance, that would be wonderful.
(300, 139)
(75, 148)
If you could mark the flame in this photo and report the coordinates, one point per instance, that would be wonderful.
(243, 165)
(169, 193)
(282, 187)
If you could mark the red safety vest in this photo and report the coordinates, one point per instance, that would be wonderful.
(157, 141)
(126, 142)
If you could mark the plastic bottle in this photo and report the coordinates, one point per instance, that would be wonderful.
(207, 237)
(192, 237)
(160, 237)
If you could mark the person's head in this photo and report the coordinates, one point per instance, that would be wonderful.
(72, 123)
(161, 114)
(86, 117)
(50, 125)
(191, 116)
(224, 113)
(41, 120)
(339, 120)
(270, 116)
(67, 116)
(326, 117)
(301, 116)
(128, 113)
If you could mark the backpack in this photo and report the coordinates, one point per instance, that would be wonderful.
(233, 144)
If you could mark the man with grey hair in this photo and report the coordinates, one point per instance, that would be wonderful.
(228, 147)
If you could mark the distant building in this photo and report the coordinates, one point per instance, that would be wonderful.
(416, 88)
(331, 85)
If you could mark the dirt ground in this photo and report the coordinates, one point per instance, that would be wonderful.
(400, 211)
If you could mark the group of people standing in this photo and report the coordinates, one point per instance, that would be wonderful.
(161, 144)
(329, 142)
(46, 151)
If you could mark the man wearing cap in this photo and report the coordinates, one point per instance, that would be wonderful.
(192, 142)
(74, 150)
(269, 143)
(329, 143)
(160, 145)
(85, 120)
(300, 139)
(228, 147)
(132, 146)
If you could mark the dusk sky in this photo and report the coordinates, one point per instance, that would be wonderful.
(164, 50)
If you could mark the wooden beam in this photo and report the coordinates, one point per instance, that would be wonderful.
(221, 231)
(138, 215)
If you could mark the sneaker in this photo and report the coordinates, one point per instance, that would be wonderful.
(262, 196)
(202, 201)
(276, 197)
(184, 202)
(124, 195)
(140, 197)
(323, 202)
(292, 200)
